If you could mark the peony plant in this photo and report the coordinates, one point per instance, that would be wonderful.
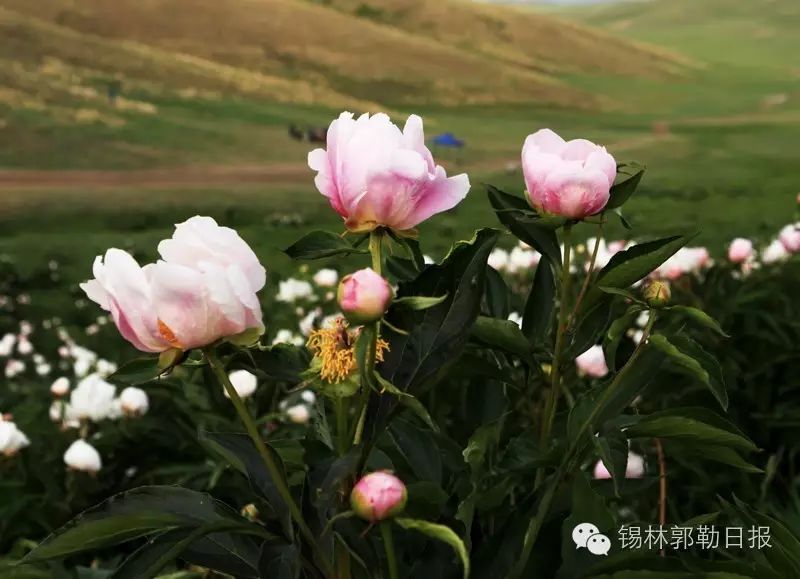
(426, 411)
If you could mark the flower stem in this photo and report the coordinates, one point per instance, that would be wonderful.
(388, 545)
(566, 282)
(589, 274)
(275, 474)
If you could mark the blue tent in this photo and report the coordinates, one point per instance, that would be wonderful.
(447, 140)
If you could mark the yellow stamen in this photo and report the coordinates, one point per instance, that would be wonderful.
(335, 349)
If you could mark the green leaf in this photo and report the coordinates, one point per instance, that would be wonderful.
(701, 318)
(240, 452)
(137, 372)
(681, 362)
(629, 266)
(419, 302)
(614, 336)
(409, 401)
(629, 175)
(519, 218)
(412, 248)
(688, 429)
(612, 447)
(497, 297)
(596, 407)
(437, 335)
(502, 335)
(710, 452)
(625, 293)
(281, 361)
(130, 515)
(279, 561)
(400, 268)
(440, 533)
(321, 244)
(538, 316)
(709, 363)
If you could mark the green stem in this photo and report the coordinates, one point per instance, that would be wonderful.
(589, 274)
(274, 472)
(547, 500)
(388, 545)
(342, 430)
(566, 282)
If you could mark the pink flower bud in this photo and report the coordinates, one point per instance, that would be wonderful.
(378, 496)
(740, 250)
(592, 362)
(374, 174)
(364, 296)
(568, 178)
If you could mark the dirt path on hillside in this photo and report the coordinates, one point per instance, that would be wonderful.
(167, 178)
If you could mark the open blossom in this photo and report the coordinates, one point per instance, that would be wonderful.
(203, 290)
(12, 439)
(244, 383)
(774, 252)
(634, 468)
(568, 178)
(326, 277)
(291, 290)
(92, 399)
(375, 175)
(378, 496)
(364, 296)
(685, 260)
(7, 343)
(592, 362)
(790, 237)
(740, 250)
(134, 401)
(82, 456)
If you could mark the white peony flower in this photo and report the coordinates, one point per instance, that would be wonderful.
(92, 399)
(292, 290)
(82, 456)
(12, 439)
(326, 277)
(298, 413)
(244, 383)
(134, 401)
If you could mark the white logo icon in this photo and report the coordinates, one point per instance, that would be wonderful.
(587, 535)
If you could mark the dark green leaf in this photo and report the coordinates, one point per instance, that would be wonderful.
(517, 216)
(136, 372)
(419, 302)
(502, 335)
(440, 533)
(320, 244)
(497, 296)
(612, 447)
(539, 307)
(281, 361)
(680, 361)
(279, 561)
(688, 429)
(701, 318)
(628, 177)
(709, 363)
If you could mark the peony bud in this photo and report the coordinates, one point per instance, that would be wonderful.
(378, 496)
(657, 294)
(740, 250)
(134, 401)
(568, 178)
(592, 362)
(364, 296)
(82, 456)
(244, 383)
(60, 386)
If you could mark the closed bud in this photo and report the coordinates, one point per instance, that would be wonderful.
(364, 296)
(657, 294)
(378, 496)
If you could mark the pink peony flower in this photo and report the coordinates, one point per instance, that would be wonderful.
(790, 237)
(375, 175)
(634, 468)
(568, 178)
(364, 296)
(378, 496)
(203, 290)
(592, 362)
(740, 250)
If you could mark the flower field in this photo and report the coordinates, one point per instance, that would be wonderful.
(526, 405)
